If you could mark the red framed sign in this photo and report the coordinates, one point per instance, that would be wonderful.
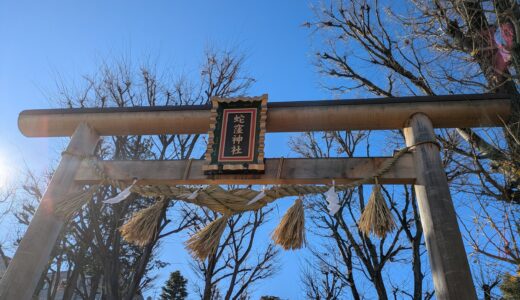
(236, 136)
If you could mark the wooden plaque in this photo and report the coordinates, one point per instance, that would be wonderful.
(236, 135)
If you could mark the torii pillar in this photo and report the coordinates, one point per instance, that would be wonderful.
(448, 260)
(32, 256)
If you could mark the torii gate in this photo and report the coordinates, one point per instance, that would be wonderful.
(417, 116)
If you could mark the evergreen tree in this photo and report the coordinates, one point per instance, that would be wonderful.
(511, 287)
(175, 287)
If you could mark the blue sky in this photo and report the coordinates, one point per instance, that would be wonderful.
(45, 40)
(42, 41)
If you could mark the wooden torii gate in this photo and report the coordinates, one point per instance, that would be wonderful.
(417, 116)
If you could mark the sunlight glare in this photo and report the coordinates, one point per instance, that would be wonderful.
(4, 171)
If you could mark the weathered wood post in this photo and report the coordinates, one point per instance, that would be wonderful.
(33, 253)
(449, 265)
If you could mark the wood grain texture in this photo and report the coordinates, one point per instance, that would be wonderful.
(293, 171)
(32, 255)
(449, 265)
(300, 116)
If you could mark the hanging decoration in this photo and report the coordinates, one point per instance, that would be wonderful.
(204, 242)
(376, 217)
(258, 197)
(122, 195)
(332, 198)
(142, 227)
(290, 233)
(193, 195)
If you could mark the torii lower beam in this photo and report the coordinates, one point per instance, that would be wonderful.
(278, 171)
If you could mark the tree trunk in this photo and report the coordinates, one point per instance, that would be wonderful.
(208, 286)
(73, 279)
(379, 283)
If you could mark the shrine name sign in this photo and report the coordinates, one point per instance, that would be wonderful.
(236, 135)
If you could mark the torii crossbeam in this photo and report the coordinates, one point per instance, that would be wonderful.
(417, 116)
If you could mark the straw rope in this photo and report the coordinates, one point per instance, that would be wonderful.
(141, 228)
(213, 197)
(225, 201)
(69, 205)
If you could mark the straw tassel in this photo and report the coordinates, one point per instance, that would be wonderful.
(290, 233)
(73, 203)
(376, 217)
(141, 229)
(206, 241)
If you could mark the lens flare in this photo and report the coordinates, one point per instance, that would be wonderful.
(5, 171)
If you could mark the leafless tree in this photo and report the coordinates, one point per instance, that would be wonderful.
(91, 256)
(237, 264)
(347, 257)
(430, 48)
(423, 48)
(322, 282)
